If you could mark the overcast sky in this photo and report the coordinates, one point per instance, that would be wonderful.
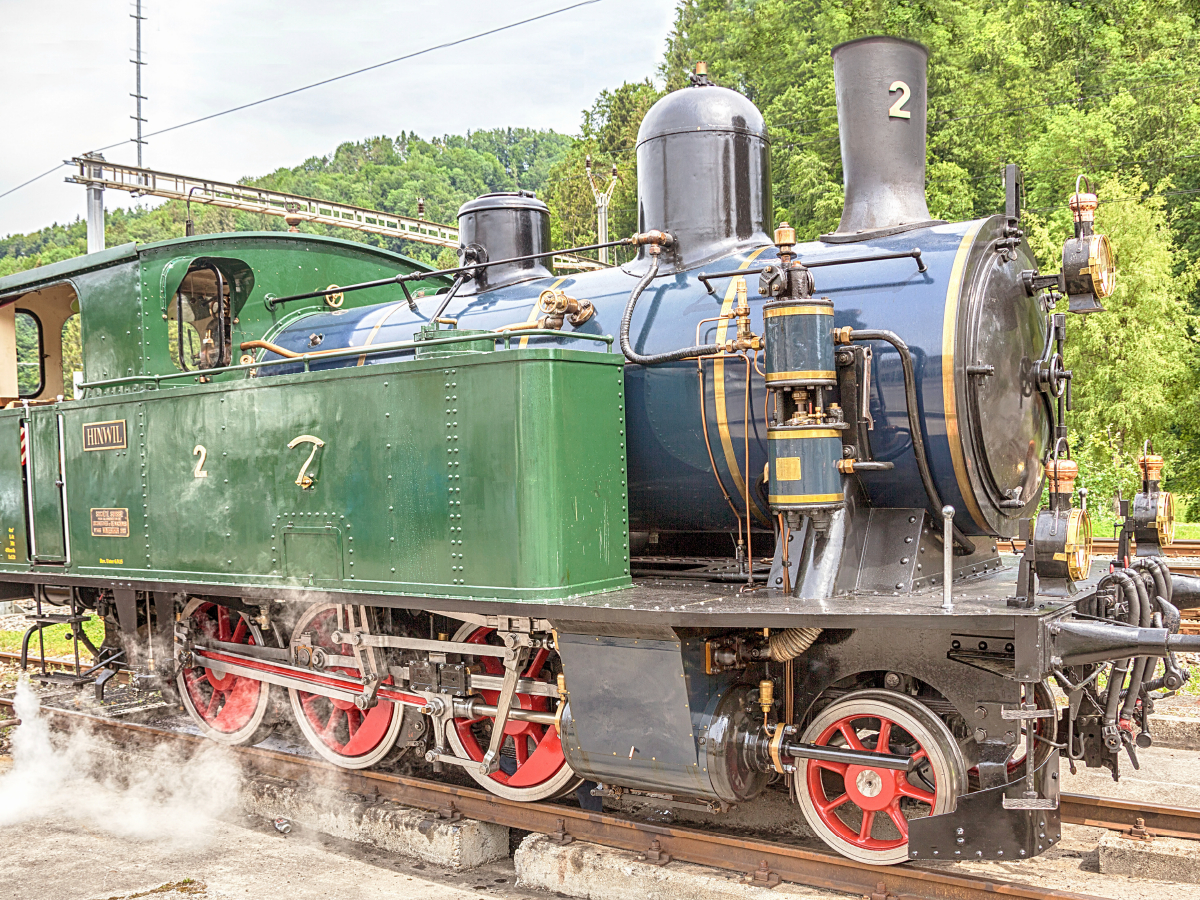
(66, 79)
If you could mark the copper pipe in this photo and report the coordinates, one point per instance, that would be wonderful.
(290, 354)
(783, 536)
(274, 348)
(701, 322)
(523, 326)
(756, 368)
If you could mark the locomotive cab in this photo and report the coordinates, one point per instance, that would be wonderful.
(31, 343)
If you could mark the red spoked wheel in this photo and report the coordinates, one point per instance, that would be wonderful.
(861, 811)
(532, 766)
(231, 709)
(338, 730)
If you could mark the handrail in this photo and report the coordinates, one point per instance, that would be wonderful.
(374, 350)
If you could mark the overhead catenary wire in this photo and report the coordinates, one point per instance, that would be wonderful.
(32, 180)
(442, 46)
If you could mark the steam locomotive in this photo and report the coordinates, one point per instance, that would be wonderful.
(506, 521)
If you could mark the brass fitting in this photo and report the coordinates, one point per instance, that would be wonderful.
(1152, 465)
(842, 335)
(652, 237)
(1083, 206)
(785, 237)
(766, 697)
(746, 339)
(846, 466)
(557, 305)
(1062, 474)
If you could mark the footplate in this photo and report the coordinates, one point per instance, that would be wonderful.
(990, 825)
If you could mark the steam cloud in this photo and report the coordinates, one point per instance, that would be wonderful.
(159, 795)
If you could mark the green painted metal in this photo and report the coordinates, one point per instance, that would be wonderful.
(44, 482)
(14, 540)
(124, 292)
(464, 471)
(492, 475)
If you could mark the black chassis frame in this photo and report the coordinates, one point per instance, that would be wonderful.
(976, 656)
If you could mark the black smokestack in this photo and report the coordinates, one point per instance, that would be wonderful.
(881, 119)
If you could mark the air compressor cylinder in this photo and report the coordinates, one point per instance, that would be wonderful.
(799, 343)
(803, 473)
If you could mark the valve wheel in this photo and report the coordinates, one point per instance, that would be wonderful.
(532, 766)
(861, 811)
(230, 709)
(337, 729)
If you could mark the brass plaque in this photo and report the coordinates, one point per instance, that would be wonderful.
(110, 523)
(787, 468)
(105, 435)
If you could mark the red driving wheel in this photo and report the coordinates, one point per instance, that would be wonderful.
(336, 728)
(532, 763)
(873, 791)
(229, 708)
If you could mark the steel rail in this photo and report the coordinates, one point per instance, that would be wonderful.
(1102, 547)
(11, 656)
(1123, 815)
(759, 860)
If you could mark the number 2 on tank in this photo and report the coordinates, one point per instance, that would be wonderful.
(200, 471)
(897, 110)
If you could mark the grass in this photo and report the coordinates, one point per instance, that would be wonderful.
(1103, 527)
(57, 643)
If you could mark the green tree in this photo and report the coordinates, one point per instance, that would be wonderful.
(609, 137)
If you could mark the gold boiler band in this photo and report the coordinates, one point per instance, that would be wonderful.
(801, 433)
(804, 375)
(805, 498)
(799, 310)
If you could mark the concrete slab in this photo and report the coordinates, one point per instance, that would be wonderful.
(591, 872)
(1167, 776)
(464, 844)
(1163, 859)
(1182, 732)
(228, 860)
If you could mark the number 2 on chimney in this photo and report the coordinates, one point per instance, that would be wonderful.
(896, 111)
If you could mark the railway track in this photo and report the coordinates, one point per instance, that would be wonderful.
(51, 661)
(1187, 552)
(760, 861)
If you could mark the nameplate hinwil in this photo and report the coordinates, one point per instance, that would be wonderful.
(105, 435)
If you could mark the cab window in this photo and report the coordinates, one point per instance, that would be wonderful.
(31, 359)
(199, 321)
